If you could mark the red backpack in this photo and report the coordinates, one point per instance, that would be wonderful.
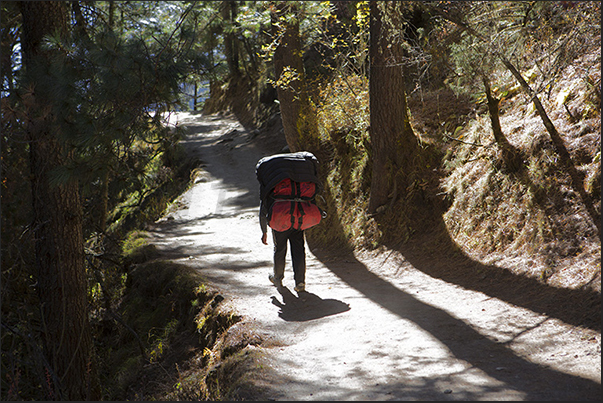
(294, 206)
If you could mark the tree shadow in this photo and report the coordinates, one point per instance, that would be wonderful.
(464, 342)
(578, 307)
(307, 306)
(436, 254)
(433, 251)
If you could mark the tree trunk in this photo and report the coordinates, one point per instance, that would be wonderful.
(231, 51)
(510, 154)
(57, 220)
(297, 112)
(289, 72)
(392, 138)
(104, 202)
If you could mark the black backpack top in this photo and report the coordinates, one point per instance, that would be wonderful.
(301, 166)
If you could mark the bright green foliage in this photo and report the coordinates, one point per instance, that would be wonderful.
(344, 110)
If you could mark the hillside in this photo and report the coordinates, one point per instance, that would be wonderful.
(493, 215)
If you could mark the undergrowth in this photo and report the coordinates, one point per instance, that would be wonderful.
(168, 336)
(167, 315)
(156, 321)
(343, 122)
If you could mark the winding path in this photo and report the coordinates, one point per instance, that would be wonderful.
(369, 327)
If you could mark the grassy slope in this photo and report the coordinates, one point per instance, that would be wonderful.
(533, 223)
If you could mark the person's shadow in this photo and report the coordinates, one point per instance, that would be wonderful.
(307, 306)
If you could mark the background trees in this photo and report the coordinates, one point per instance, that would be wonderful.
(289, 71)
(390, 95)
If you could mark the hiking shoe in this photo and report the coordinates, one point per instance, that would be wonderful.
(301, 287)
(277, 283)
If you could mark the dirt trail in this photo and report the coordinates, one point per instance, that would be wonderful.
(369, 327)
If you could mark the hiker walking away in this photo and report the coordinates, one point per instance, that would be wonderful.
(296, 240)
(288, 185)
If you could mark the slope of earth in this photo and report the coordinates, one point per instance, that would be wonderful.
(370, 326)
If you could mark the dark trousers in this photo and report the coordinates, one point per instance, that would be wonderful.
(298, 254)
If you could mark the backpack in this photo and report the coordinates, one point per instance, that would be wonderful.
(288, 185)
(294, 206)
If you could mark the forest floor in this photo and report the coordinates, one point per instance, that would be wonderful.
(372, 325)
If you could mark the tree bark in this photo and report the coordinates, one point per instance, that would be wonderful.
(392, 138)
(287, 58)
(231, 51)
(510, 154)
(57, 219)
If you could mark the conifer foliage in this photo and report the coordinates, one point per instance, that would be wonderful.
(85, 98)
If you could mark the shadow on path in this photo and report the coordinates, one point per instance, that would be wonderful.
(465, 343)
(307, 306)
(434, 252)
(578, 307)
